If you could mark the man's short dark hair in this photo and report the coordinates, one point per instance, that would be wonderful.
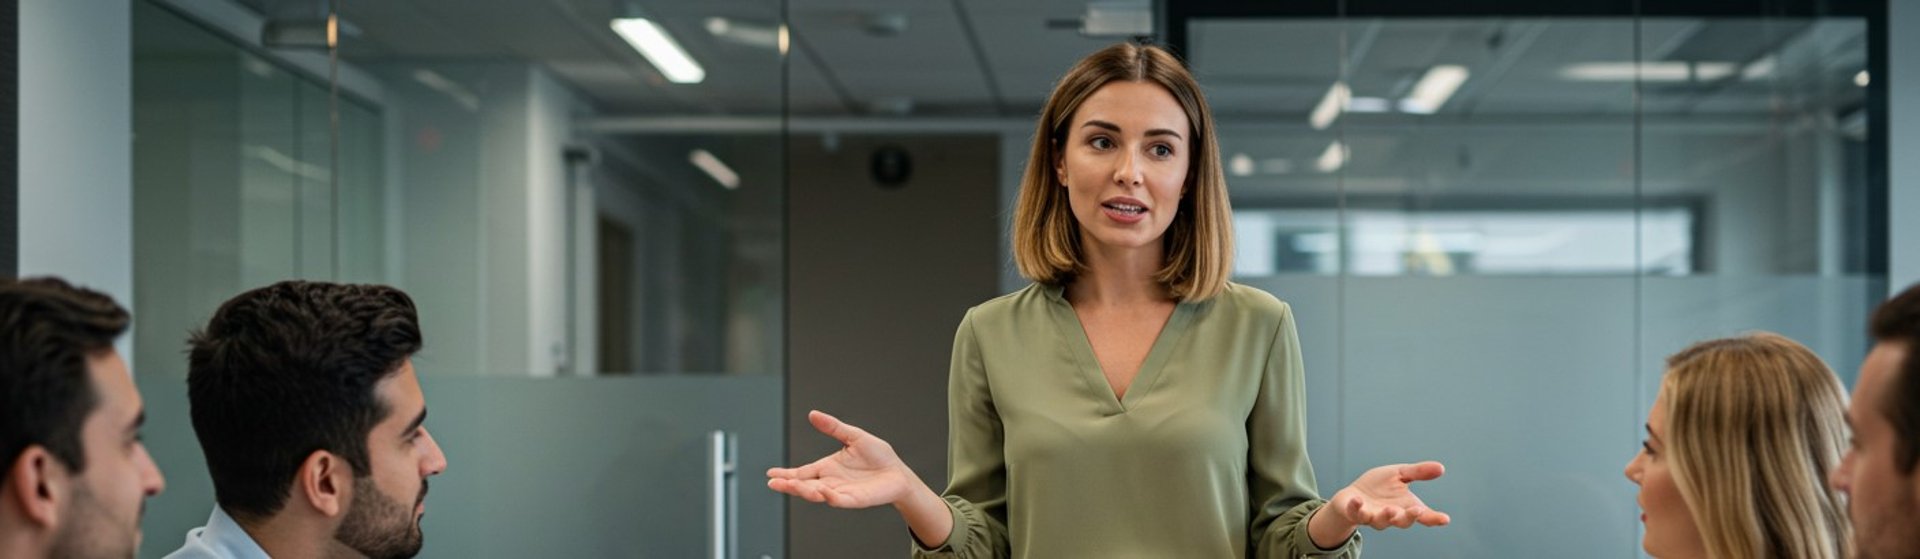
(48, 329)
(1898, 321)
(288, 369)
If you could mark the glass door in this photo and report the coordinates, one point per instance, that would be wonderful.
(603, 306)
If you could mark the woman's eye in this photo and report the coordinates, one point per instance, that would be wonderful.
(1101, 143)
(1648, 447)
(1162, 151)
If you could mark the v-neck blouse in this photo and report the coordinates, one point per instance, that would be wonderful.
(1204, 457)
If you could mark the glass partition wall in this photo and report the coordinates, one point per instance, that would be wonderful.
(1492, 225)
(1495, 226)
(603, 312)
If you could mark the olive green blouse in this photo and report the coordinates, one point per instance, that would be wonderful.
(1205, 456)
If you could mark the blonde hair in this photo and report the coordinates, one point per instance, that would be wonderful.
(1199, 242)
(1754, 425)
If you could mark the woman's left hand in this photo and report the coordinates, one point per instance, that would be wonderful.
(1382, 498)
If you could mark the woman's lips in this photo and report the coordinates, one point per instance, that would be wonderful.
(1124, 213)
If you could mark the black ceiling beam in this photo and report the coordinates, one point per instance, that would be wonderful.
(1176, 14)
(9, 138)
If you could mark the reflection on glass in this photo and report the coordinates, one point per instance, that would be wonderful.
(1463, 242)
(1502, 224)
(478, 171)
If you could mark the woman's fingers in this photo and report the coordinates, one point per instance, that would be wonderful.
(838, 499)
(1405, 518)
(1435, 518)
(809, 471)
(1384, 517)
(832, 426)
(1424, 471)
(795, 488)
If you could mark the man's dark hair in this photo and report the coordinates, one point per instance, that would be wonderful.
(1898, 321)
(48, 329)
(288, 369)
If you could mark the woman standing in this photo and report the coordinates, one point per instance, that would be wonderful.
(1131, 402)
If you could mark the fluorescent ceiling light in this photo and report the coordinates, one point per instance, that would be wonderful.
(714, 168)
(744, 33)
(452, 89)
(1369, 105)
(1333, 159)
(1330, 106)
(1709, 71)
(1434, 89)
(1649, 71)
(660, 49)
(1240, 165)
(1758, 69)
(1862, 79)
(286, 164)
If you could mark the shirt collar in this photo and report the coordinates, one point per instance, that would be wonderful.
(227, 538)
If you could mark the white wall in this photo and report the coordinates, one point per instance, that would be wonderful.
(76, 145)
(549, 128)
(1903, 127)
(523, 183)
(485, 232)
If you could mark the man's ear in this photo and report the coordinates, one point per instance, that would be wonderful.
(37, 485)
(323, 483)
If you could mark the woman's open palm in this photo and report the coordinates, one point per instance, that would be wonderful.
(864, 473)
(1383, 498)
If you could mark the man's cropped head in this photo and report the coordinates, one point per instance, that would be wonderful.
(77, 476)
(304, 395)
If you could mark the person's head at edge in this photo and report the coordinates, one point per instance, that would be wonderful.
(306, 404)
(1879, 472)
(1742, 433)
(77, 476)
(1124, 161)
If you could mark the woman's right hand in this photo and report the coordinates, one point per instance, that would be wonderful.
(864, 473)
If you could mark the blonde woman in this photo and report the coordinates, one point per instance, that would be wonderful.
(1739, 444)
(1131, 402)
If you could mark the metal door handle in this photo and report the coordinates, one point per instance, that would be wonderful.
(723, 494)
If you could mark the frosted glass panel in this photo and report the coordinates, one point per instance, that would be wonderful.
(600, 467)
(1828, 314)
(603, 467)
(1524, 387)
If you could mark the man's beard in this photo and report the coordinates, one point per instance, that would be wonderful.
(90, 531)
(379, 526)
(1887, 533)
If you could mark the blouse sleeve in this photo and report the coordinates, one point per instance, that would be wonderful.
(1279, 477)
(977, 473)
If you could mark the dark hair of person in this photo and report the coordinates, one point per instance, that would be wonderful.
(1898, 321)
(48, 330)
(288, 369)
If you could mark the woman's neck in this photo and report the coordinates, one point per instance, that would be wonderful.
(1119, 276)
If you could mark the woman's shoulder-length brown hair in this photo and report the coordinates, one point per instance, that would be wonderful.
(1199, 242)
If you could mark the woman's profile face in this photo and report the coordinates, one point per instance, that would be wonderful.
(1670, 533)
(1124, 164)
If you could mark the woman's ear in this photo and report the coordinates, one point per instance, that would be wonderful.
(322, 482)
(1059, 166)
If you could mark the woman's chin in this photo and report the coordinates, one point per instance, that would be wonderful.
(1125, 239)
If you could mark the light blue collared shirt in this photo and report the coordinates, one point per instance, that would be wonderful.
(221, 538)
